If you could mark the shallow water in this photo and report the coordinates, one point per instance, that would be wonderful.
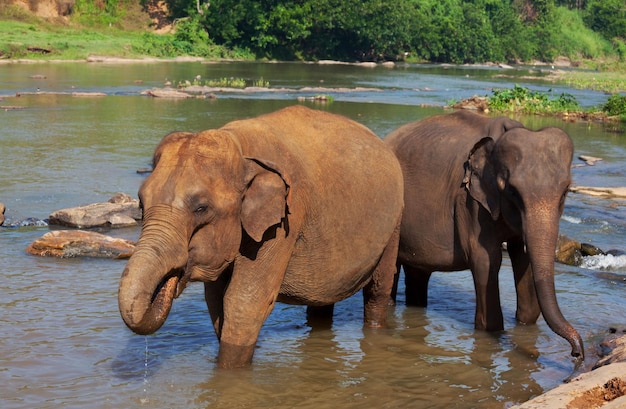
(64, 344)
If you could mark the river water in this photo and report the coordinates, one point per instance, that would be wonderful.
(64, 344)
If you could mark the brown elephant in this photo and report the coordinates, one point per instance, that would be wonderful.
(297, 206)
(472, 183)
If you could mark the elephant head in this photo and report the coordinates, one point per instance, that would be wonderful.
(199, 201)
(522, 178)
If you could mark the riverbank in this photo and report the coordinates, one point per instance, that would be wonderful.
(603, 386)
(27, 39)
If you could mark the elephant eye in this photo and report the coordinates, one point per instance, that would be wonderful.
(200, 209)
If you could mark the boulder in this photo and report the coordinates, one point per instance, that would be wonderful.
(604, 386)
(571, 252)
(119, 211)
(568, 251)
(80, 243)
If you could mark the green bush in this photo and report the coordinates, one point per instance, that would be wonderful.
(616, 105)
(524, 100)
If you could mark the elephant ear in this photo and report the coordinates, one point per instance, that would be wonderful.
(266, 198)
(480, 177)
(499, 126)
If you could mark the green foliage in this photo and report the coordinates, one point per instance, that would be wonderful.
(351, 29)
(227, 83)
(190, 38)
(191, 30)
(452, 31)
(261, 83)
(616, 105)
(576, 40)
(446, 31)
(456, 31)
(523, 100)
(607, 17)
(101, 13)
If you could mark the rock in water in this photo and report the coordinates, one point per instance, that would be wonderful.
(121, 210)
(80, 243)
(568, 251)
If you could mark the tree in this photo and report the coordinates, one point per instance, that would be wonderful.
(607, 17)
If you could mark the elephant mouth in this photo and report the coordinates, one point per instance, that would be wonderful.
(161, 302)
(170, 287)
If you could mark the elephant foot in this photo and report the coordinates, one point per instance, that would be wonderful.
(490, 324)
(375, 315)
(234, 356)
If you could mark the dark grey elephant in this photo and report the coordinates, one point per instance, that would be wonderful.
(472, 183)
(297, 206)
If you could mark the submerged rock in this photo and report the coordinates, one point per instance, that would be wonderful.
(80, 243)
(613, 348)
(120, 211)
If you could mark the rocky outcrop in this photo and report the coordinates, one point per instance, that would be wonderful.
(80, 243)
(604, 386)
(119, 211)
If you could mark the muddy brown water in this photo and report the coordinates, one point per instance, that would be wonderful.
(63, 343)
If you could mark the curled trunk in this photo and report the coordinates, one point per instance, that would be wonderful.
(151, 280)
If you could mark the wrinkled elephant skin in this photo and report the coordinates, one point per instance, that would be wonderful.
(471, 183)
(297, 206)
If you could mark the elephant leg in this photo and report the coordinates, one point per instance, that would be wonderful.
(248, 300)
(485, 266)
(214, 298)
(320, 316)
(377, 292)
(527, 304)
(394, 288)
(416, 286)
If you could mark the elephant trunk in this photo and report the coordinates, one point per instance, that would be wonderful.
(541, 249)
(152, 277)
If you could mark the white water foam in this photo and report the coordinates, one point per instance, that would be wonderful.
(605, 262)
(571, 219)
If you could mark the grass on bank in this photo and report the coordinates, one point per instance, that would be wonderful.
(24, 36)
(609, 77)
